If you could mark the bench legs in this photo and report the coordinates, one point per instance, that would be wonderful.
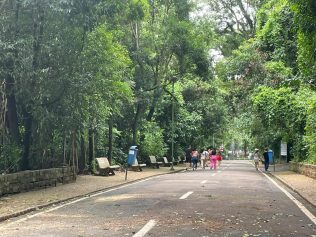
(155, 165)
(107, 172)
(111, 172)
(136, 168)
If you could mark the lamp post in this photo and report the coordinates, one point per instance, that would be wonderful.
(173, 79)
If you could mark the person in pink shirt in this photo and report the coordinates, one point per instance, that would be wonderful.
(213, 159)
(219, 158)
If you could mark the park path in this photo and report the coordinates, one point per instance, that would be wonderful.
(235, 200)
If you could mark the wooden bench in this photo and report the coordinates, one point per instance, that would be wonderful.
(104, 166)
(136, 167)
(154, 163)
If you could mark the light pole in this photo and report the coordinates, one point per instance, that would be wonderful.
(172, 124)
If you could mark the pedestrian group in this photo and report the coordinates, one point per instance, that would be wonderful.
(213, 157)
(265, 160)
(205, 156)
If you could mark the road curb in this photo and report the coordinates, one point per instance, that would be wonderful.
(293, 189)
(39, 207)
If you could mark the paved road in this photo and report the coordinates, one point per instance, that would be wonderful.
(235, 200)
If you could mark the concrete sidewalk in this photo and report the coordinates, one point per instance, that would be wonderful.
(22, 203)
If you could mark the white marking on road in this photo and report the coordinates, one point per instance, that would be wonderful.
(150, 224)
(204, 181)
(75, 201)
(219, 171)
(299, 204)
(184, 196)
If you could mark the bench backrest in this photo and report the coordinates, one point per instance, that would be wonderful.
(165, 159)
(135, 162)
(103, 162)
(152, 159)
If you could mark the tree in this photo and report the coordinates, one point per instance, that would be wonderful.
(276, 33)
(106, 67)
(305, 20)
(235, 22)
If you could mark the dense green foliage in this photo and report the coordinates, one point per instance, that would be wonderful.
(88, 78)
(276, 70)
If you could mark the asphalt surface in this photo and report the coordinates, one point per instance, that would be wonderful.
(235, 200)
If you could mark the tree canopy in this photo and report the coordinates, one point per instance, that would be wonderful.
(88, 78)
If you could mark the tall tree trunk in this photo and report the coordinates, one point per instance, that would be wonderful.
(135, 124)
(138, 81)
(110, 150)
(82, 157)
(11, 117)
(38, 21)
(74, 151)
(3, 111)
(91, 145)
(154, 102)
(157, 94)
(28, 120)
(11, 120)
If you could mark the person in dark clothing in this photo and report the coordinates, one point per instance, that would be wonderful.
(266, 159)
(188, 155)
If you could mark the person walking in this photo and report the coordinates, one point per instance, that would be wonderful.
(266, 159)
(195, 158)
(219, 158)
(204, 156)
(188, 153)
(213, 159)
(256, 158)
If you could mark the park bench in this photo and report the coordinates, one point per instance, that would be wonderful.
(136, 166)
(104, 166)
(175, 162)
(180, 160)
(154, 163)
(166, 162)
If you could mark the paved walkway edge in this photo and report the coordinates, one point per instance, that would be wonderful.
(294, 190)
(31, 209)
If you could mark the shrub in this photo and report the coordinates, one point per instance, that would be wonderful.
(310, 128)
(153, 143)
(10, 155)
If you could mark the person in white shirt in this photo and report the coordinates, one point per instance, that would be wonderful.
(256, 158)
(204, 158)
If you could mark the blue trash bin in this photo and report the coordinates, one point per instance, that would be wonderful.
(270, 155)
(132, 155)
